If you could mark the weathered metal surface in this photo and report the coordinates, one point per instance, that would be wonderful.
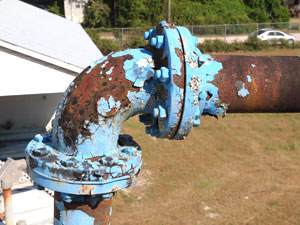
(7, 195)
(259, 83)
(169, 73)
(85, 158)
(170, 84)
(85, 210)
(57, 171)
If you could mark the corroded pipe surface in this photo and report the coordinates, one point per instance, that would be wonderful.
(259, 83)
(7, 195)
(82, 210)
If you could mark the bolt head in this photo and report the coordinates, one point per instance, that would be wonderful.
(153, 41)
(164, 74)
(159, 41)
(196, 123)
(155, 112)
(162, 112)
(146, 35)
(157, 74)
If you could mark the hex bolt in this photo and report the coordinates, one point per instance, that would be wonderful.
(162, 112)
(38, 138)
(155, 112)
(146, 35)
(196, 123)
(197, 113)
(66, 197)
(153, 41)
(157, 74)
(159, 41)
(67, 163)
(164, 74)
(42, 151)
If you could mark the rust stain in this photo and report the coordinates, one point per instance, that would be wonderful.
(88, 88)
(115, 188)
(274, 86)
(100, 212)
(95, 159)
(86, 189)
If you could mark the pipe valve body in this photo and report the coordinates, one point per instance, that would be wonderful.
(168, 83)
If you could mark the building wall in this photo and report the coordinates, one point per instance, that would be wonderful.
(28, 111)
(30, 90)
(74, 10)
(23, 75)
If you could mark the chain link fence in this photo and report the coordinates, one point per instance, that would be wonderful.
(226, 32)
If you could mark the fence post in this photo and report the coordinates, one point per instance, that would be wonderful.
(257, 26)
(192, 30)
(122, 37)
(225, 31)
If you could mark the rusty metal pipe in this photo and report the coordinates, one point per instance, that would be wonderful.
(7, 194)
(272, 82)
(82, 210)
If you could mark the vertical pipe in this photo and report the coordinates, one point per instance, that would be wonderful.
(2, 212)
(7, 194)
(88, 210)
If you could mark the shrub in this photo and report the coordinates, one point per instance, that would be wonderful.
(252, 44)
(135, 42)
(107, 46)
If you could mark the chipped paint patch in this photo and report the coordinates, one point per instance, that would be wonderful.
(93, 64)
(142, 62)
(253, 65)
(242, 91)
(105, 106)
(249, 78)
(110, 71)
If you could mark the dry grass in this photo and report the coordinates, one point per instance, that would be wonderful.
(243, 169)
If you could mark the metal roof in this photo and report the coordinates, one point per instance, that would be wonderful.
(45, 33)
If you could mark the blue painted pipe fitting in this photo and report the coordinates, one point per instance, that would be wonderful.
(168, 84)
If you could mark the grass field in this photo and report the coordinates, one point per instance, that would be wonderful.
(243, 169)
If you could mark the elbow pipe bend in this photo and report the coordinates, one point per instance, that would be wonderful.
(168, 84)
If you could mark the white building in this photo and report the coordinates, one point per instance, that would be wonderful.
(40, 54)
(74, 10)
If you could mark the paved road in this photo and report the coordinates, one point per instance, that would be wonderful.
(232, 38)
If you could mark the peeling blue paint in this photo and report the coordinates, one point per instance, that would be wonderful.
(110, 71)
(243, 92)
(105, 106)
(249, 78)
(169, 100)
(93, 64)
(252, 65)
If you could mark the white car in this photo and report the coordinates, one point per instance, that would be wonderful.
(271, 35)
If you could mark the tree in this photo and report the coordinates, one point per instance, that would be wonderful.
(267, 10)
(96, 14)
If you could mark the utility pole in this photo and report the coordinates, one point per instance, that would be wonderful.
(169, 11)
(115, 13)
